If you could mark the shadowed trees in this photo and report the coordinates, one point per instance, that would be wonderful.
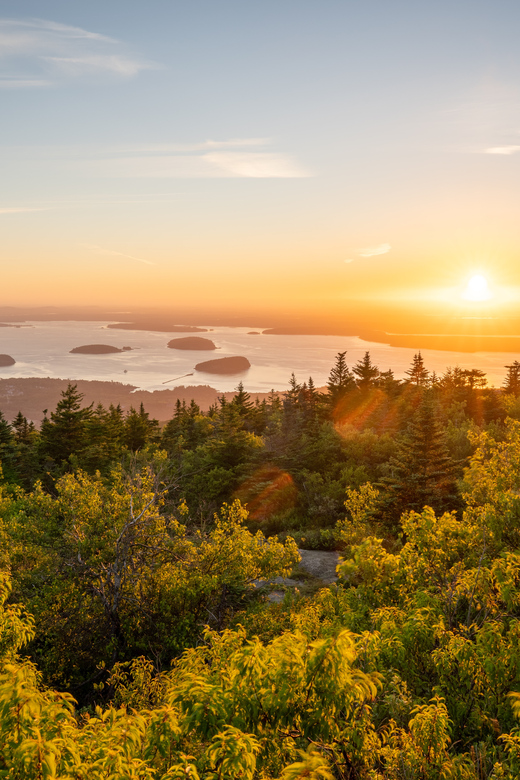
(422, 472)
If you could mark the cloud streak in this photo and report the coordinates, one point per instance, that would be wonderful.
(19, 209)
(234, 158)
(511, 149)
(371, 251)
(101, 250)
(40, 53)
(227, 159)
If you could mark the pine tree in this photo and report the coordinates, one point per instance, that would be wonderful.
(512, 380)
(244, 406)
(7, 449)
(422, 472)
(387, 382)
(417, 372)
(139, 429)
(365, 372)
(65, 434)
(340, 380)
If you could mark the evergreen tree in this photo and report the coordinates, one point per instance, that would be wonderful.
(245, 407)
(340, 380)
(417, 372)
(139, 429)
(422, 472)
(293, 393)
(26, 459)
(105, 432)
(365, 372)
(66, 433)
(7, 449)
(512, 380)
(387, 382)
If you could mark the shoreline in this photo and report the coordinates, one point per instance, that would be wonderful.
(33, 395)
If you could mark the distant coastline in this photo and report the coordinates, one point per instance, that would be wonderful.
(407, 325)
(32, 396)
(443, 343)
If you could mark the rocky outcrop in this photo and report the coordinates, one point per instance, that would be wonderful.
(6, 360)
(227, 365)
(97, 349)
(192, 343)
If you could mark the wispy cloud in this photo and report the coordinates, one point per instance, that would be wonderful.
(42, 53)
(511, 149)
(255, 165)
(233, 158)
(19, 209)
(229, 159)
(101, 250)
(371, 251)
(182, 148)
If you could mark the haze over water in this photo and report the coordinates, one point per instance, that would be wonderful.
(42, 349)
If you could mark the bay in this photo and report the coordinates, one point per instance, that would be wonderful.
(42, 349)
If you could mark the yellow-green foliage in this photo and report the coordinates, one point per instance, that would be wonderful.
(109, 575)
(230, 709)
(407, 669)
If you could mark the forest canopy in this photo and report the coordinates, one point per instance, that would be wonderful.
(137, 635)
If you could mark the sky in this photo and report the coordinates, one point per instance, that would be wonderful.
(291, 154)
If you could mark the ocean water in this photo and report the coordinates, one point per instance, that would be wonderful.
(42, 349)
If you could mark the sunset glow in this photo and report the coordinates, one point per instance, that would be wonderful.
(477, 289)
(145, 170)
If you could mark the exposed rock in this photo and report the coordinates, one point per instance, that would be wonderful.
(253, 333)
(192, 343)
(320, 563)
(95, 349)
(227, 365)
(6, 360)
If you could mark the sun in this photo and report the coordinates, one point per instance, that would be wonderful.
(477, 289)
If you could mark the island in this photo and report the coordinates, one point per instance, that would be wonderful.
(97, 349)
(191, 342)
(6, 360)
(227, 365)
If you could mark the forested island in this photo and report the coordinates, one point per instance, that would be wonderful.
(98, 349)
(192, 343)
(226, 365)
(7, 360)
(138, 557)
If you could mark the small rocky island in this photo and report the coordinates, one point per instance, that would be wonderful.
(191, 343)
(227, 365)
(6, 360)
(97, 349)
